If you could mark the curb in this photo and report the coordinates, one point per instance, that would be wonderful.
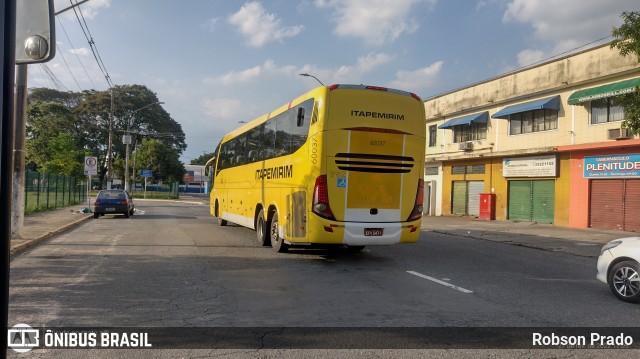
(525, 244)
(15, 250)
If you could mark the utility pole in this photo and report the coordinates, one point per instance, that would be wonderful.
(109, 155)
(17, 204)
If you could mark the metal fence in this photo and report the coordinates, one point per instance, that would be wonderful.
(45, 191)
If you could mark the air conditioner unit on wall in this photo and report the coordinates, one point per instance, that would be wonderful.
(619, 134)
(466, 146)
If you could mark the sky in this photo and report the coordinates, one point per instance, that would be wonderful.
(217, 63)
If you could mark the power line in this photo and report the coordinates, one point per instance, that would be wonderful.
(57, 83)
(76, 53)
(92, 45)
(68, 68)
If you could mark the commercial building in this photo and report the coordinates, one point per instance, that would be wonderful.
(544, 143)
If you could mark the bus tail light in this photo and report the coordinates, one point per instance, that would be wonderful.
(321, 199)
(417, 208)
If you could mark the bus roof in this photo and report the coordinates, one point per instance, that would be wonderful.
(318, 91)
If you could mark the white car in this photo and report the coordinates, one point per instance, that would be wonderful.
(619, 266)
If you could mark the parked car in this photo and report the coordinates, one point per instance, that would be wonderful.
(619, 266)
(113, 201)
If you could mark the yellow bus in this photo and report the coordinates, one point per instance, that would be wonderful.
(339, 165)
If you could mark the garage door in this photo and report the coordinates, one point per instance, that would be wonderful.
(615, 204)
(475, 188)
(632, 205)
(459, 197)
(532, 200)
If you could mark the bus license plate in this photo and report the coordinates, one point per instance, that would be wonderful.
(110, 209)
(373, 232)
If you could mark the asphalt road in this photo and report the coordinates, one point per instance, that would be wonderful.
(171, 265)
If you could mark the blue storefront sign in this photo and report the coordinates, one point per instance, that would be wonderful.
(612, 166)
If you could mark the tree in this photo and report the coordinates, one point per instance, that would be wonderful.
(46, 121)
(152, 121)
(86, 115)
(162, 159)
(202, 159)
(66, 157)
(627, 41)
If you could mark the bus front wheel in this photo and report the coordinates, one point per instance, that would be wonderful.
(222, 222)
(261, 229)
(276, 242)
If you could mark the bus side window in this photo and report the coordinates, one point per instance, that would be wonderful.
(285, 123)
(253, 144)
(240, 149)
(269, 139)
(223, 157)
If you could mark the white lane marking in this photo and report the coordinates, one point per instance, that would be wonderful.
(440, 282)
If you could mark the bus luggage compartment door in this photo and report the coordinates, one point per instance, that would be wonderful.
(296, 216)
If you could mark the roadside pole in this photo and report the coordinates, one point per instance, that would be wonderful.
(89, 193)
(90, 168)
(20, 128)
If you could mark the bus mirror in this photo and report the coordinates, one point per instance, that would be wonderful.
(300, 120)
(35, 31)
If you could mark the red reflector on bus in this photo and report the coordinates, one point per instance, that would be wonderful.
(333, 87)
(376, 88)
(416, 97)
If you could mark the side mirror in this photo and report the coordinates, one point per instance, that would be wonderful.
(35, 31)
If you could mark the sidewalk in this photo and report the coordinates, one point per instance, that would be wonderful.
(43, 225)
(582, 242)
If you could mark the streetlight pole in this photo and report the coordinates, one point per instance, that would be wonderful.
(126, 139)
(308, 75)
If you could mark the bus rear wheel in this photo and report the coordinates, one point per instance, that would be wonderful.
(261, 229)
(276, 242)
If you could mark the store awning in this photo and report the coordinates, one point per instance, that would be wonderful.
(610, 90)
(482, 117)
(551, 103)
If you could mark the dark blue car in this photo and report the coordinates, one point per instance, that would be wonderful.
(113, 201)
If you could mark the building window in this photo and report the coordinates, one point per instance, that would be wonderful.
(533, 121)
(468, 169)
(433, 132)
(606, 110)
(474, 131)
(430, 171)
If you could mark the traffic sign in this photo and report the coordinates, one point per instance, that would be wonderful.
(90, 166)
(146, 173)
